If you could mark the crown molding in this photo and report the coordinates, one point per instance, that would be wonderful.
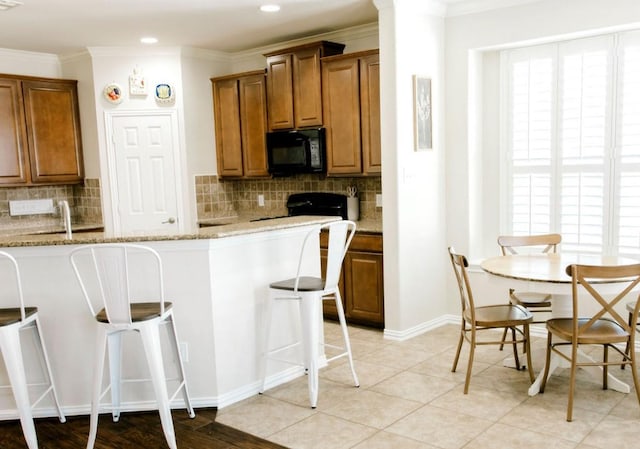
(463, 7)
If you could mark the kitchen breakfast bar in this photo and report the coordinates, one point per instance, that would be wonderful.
(217, 280)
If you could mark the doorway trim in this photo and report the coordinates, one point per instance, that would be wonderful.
(111, 173)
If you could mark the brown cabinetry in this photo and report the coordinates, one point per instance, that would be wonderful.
(351, 108)
(240, 111)
(294, 85)
(40, 141)
(361, 282)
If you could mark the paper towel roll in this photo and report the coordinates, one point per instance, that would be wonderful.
(353, 208)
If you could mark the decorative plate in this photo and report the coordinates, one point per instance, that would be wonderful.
(164, 93)
(113, 93)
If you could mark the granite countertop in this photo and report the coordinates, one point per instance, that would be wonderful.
(228, 229)
(368, 225)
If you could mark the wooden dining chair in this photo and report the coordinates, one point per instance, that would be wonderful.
(605, 327)
(631, 306)
(538, 303)
(476, 319)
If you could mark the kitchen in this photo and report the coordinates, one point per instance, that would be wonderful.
(172, 64)
(458, 203)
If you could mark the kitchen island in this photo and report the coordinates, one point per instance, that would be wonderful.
(218, 282)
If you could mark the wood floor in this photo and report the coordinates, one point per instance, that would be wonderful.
(134, 431)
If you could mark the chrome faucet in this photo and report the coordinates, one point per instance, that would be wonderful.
(66, 217)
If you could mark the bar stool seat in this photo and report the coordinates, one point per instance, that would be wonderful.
(110, 285)
(309, 292)
(13, 321)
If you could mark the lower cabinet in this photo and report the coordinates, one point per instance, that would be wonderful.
(361, 283)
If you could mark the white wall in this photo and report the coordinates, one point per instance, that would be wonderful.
(16, 62)
(79, 67)
(471, 149)
(411, 42)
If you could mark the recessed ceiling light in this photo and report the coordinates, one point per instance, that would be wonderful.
(147, 40)
(270, 8)
(8, 4)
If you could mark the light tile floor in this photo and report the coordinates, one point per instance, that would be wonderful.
(409, 399)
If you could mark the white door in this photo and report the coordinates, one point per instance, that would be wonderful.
(145, 178)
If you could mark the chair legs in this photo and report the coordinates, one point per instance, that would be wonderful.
(310, 310)
(310, 319)
(12, 353)
(150, 335)
(151, 340)
(11, 349)
(473, 343)
(98, 368)
(345, 336)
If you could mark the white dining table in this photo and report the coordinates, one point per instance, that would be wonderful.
(547, 273)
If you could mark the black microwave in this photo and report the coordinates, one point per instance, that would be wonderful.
(299, 151)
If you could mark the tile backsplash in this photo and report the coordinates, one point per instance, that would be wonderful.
(218, 198)
(84, 202)
(215, 198)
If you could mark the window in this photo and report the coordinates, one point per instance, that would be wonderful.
(573, 142)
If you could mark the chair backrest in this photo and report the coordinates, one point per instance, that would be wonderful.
(11, 281)
(588, 276)
(460, 264)
(511, 244)
(340, 235)
(112, 276)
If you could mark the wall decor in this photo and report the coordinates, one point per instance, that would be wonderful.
(112, 93)
(137, 84)
(164, 93)
(422, 113)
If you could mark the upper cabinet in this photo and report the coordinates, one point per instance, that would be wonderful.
(351, 105)
(240, 110)
(294, 86)
(40, 141)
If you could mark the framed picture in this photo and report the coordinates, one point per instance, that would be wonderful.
(422, 113)
(137, 84)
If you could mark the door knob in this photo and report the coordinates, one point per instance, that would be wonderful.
(171, 220)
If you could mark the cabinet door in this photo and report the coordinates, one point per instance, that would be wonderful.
(307, 85)
(226, 105)
(13, 139)
(253, 120)
(370, 114)
(341, 98)
(53, 131)
(364, 288)
(280, 92)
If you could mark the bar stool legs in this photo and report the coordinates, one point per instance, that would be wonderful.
(12, 353)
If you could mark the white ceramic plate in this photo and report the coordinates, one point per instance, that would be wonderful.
(113, 93)
(164, 93)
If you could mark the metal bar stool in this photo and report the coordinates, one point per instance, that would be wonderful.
(12, 322)
(309, 292)
(113, 289)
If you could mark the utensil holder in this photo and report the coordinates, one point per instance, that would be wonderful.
(353, 208)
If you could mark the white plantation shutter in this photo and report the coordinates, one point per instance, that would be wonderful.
(584, 89)
(531, 117)
(573, 142)
(627, 160)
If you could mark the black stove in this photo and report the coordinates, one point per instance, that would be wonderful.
(317, 203)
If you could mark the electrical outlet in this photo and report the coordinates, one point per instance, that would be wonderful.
(261, 200)
(378, 199)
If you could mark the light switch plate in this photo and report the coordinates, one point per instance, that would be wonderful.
(378, 199)
(31, 207)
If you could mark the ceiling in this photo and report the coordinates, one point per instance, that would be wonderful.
(68, 26)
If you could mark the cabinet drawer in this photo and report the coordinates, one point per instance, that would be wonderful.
(360, 242)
